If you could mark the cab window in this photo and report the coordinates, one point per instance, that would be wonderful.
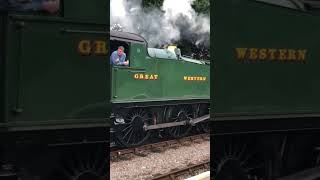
(114, 45)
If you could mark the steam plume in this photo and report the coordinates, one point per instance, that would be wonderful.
(175, 20)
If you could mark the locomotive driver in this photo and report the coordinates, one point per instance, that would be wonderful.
(119, 57)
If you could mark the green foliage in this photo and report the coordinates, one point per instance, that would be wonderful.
(152, 3)
(202, 6)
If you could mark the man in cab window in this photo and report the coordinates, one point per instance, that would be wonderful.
(119, 57)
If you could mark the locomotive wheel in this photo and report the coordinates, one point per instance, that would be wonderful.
(204, 110)
(131, 132)
(234, 159)
(177, 114)
(84, 164)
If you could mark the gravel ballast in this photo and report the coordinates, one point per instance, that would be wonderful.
(139, 168)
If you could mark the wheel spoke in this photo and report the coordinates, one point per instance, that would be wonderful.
(130, 136)
(130, 130)
(127, 128)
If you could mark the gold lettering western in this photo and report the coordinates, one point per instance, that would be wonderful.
(282, 54)
(271, 54)
(302, 55)
(241, 53)
(253, 53)
(194, 78)
(291, 55)
(262, 54)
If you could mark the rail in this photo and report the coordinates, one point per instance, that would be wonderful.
(190, 170)
(155, 146)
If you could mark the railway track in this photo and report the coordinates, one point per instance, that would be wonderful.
(183, 173)
(159, 146)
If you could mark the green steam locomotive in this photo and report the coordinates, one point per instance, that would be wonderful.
(160, 90)
(54, 91)
(266, 90)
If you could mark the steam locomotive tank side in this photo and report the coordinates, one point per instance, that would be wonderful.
(158, 87)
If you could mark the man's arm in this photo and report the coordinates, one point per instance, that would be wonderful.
(123, 60)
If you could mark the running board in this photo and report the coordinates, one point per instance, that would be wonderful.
(309, 174)
(192, 122)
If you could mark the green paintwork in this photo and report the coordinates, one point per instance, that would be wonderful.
(269, 87)
(170, 84)
(44, 81)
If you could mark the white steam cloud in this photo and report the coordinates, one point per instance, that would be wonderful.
(175, 19)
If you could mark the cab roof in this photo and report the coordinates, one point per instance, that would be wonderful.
(126, 36)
